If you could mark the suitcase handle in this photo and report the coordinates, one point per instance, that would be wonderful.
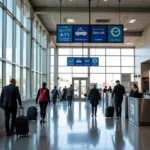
(21, 109)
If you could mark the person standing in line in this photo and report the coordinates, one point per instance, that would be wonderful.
(105, 89)
(60, 94)
(44, 100)
(70, 95)
(94, 99)
(8, 101)
(64, 96)
(109, 89)
(55, 95)
(118, 91)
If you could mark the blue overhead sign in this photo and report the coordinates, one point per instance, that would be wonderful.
(95, 61)
(98, 34)
(81, 33)
(79, 61)
(64, 33)
(86, 61)
(115, 34)
(70, 61)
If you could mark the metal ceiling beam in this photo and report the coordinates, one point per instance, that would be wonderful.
(47, 10)
(126, 33)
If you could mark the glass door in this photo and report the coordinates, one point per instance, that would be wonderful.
(80, 88)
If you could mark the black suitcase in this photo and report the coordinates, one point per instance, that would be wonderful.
(32, 113)
(109, 112)
(22, 124)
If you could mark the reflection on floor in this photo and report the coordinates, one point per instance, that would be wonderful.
(74, 129)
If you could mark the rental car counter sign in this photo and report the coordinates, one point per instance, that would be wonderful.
(81, 33)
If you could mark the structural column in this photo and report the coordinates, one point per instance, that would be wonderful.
(56, 67)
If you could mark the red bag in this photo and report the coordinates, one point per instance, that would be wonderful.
(43, 96)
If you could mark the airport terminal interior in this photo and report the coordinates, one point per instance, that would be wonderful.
(80, 43)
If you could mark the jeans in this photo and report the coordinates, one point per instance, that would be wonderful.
(70, 100)
(13, 113)
(94, 106)
(54, 100)
(43, 106)
(118, 103)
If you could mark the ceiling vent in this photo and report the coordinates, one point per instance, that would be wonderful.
(105, 21)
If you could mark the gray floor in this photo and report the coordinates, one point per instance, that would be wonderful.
(74, 129)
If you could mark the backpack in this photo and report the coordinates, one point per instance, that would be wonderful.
(43, 96)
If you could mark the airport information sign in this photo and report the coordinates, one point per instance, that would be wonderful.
(98, 34)
(79, 61)
(64, 34)
(115, 34)
(81, 33)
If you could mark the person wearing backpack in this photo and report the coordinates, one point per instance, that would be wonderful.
(44, 100)
(55, 95)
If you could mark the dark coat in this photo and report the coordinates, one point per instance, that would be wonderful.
(9, 96)
(94, 96)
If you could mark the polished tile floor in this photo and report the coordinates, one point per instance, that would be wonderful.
(74, 129)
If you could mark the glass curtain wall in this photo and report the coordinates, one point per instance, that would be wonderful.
(112, 63)
(14, 55)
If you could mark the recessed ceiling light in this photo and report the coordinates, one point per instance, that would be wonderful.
(125, 29)
(70, 20)
(129, 43)
(132, 20)
(105, 0)
(70, 0)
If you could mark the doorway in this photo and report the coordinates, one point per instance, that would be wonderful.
(80, 88)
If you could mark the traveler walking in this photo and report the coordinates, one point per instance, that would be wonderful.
(118, 91)
(109, 89)
(70, 95)
(44, 100)
(8, 101)
(94, 99)
(55, 95)
(64, 95)
(105, 89)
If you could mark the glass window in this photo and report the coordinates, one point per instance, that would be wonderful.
(24, 83)
(52, 81)
(79, 75)
(129, 51)
(112, 69)
(18, 10)
(97, 51)
(111, 79)
(52, 60)
(1, 32)
(80, 51)
(34, 29)
(34, 56)
(18, 29)
(65, 51)
(25, 15)
(52, 51)
(0, 77)
(24, 48)
(99, 79)
(52, 69)
(80, 69)
(64, 69)
(34, 85)
(18, 76)
(62, 60)
(10, 5)
(127, 69)
(97, 69)
(64, 80)
(112, 51)
(39, 60)
(113, 61)
(9, 38)
(8, 73)
(127, 61)
(101, 60)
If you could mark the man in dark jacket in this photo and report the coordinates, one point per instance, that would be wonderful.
(94, 99)
(8, 101)
(118, 91)
(55, 95)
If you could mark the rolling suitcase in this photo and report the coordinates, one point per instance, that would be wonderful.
(22, 124)
(32, 113)
(109, 112)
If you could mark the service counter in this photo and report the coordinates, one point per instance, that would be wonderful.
(125, 107)
(139, 111)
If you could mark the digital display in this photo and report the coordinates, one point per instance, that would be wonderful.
(81, 33)
(64, 34)
(98, 33)
(115, 34)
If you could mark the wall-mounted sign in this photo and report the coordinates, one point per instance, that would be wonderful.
(81, 33)
(64, 33)
(79, 61)
(115, 34)
(98, 34)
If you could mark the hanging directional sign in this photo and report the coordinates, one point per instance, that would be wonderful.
(94, 61)
(98, 34)
(64, 33)
(70, 61)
